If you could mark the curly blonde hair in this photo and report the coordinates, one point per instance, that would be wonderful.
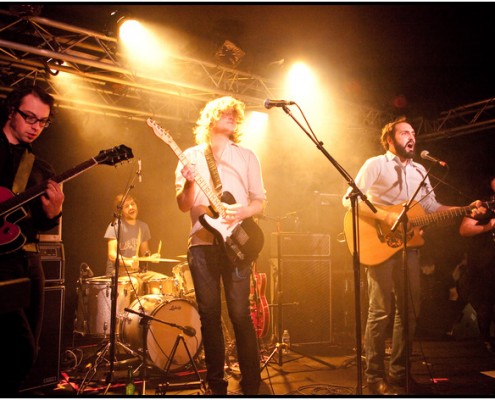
(212, 113)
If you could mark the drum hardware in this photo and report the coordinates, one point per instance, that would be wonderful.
(188, 330)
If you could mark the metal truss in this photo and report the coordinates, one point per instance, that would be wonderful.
(33, 48)
(459, 121)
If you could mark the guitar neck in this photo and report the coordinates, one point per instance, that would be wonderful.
(37, 190)
(205, 187)
(441, 216)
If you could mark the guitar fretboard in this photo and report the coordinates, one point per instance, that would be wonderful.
(204, 186)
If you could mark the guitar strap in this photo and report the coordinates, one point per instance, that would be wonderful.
(23, 172)
(212, 166)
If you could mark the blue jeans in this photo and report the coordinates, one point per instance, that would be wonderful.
(208, 265)
(384, 281)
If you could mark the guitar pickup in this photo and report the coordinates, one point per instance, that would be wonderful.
(240, 235)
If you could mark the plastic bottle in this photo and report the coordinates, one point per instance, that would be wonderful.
(130, 387)
(286, 341)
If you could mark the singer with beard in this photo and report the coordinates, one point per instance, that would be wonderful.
(390, 179)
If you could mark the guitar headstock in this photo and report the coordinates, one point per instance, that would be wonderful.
(160, 132)
(114, 155)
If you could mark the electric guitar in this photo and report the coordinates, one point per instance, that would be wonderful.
(260, 312)
(11, 211)
(376, 241)
(242, 241)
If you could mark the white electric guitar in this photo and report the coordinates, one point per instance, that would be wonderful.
(242, 241)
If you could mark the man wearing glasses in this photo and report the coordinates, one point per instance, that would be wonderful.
(26, 113)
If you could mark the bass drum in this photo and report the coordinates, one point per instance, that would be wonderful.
(161, 337)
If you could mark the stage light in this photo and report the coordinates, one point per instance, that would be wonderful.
(116, 20)
(229, 54)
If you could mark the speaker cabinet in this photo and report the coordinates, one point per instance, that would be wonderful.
(46, 370)
(53, 262)
(306, 298)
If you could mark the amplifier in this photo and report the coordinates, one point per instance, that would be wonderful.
(293, 244)
(53, 262)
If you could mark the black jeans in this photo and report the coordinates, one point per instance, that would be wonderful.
(208, 264)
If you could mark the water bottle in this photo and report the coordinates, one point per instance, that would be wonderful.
(286, 341)
(130, 387)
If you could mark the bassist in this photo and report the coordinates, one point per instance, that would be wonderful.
(219, 128)
(28, 111)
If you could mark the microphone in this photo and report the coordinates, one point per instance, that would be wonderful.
(140, 179)
(277, 103)
(426, 156)
(85, 271)
(189, 331)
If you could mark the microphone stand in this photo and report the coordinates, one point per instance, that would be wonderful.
(403, 219)
(353, 196)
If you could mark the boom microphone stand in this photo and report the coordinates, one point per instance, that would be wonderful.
(113, 299)
(403, 219)
(355, 193)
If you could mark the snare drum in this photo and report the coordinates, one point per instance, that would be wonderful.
(95, 305)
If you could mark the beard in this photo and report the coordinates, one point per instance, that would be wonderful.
(402, 151)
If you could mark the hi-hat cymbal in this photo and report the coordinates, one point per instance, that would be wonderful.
(153, 259)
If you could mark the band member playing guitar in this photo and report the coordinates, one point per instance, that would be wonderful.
(218, 131)
(389, 180)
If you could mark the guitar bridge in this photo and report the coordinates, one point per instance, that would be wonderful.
(232, 246)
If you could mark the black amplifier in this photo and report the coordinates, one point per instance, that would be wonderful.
(53, 262)
(295, 244)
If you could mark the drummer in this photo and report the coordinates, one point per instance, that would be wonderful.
(134, 244)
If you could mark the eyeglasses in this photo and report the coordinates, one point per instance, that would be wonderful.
(31, 120)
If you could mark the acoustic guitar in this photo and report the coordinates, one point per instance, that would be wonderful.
(376, 241)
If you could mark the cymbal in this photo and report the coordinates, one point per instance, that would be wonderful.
(182, 256)
(153, 259)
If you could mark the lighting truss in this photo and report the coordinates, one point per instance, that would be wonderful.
(38, 48)
(33, 48)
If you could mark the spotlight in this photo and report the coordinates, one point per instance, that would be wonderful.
(229, 54)
(115, 21)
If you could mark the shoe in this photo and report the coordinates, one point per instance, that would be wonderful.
(414, 387)
(382, 388)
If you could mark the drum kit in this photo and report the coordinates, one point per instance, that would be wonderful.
(168, 303)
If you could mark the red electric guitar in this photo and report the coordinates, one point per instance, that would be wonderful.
(11, 211)
(260, 312)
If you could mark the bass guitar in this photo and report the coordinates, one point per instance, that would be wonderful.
(11, 211)
(377, 243)
(242, 241)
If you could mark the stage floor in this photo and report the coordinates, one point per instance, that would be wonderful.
(444, 367)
